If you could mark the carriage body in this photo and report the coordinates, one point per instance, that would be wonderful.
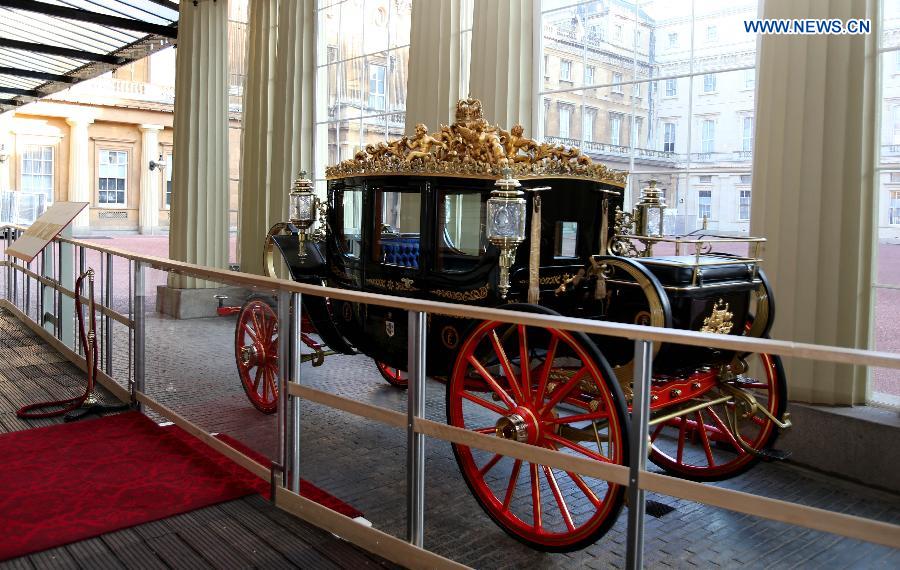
(477, 215)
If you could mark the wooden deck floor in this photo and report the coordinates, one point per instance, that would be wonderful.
(246, 533)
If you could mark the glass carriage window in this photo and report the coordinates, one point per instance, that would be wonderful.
(566, 239)
(397, 228)
(350, 204)
(461, 239)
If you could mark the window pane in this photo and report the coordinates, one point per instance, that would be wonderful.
(461, 235)
(566, 239)
(396, 232)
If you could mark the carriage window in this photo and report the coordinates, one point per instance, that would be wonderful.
(461, 236)
(566, 239)
(397, 215)
(351, 214)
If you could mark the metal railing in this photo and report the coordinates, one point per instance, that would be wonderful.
(285, 471)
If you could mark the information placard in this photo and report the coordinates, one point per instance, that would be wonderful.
(44, 229)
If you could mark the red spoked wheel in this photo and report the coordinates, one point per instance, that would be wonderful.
(548, 388)
(394, 376)
(256, 353)
(703, 445)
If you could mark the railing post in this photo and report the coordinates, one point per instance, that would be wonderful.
(28, 291)
(139, 333)
(284, 371)
(640, 416)
(67, 280)
(107, 320)
(292, 401)
(415, 457)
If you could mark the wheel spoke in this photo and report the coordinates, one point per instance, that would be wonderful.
(511, 487)
(726, 432)
(507, 366)
(485, 404)
(682, 432)
(704, 438)
(492, 383)
(560, 502)
(575, 447)
(545, 370)
(490, 464)
(273, 389)
(524, 364)
(592, 416)
(560, 393)
(535, 497)
(259, 370)
(656, 432)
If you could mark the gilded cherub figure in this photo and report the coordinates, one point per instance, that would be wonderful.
(514, 141)
(420, 146)
(483, 142)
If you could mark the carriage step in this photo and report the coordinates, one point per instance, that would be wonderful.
(774, 454)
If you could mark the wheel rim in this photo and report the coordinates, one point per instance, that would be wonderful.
(256, 352)
(544, 406)
(700, 445)
(394, 376)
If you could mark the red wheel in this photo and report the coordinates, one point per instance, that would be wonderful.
(565, 398)
(702, 446)
(256, 353)
(394, 376)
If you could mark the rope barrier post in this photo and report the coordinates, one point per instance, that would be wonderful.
(415, 458)
(284, 371)
(137, 384)
(640, 417)
(107, 320)
(294, 401)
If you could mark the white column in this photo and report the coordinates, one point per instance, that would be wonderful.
(149, 208)
(813, 191)
(79, 170)
(256, 135)
(199, 216)
(6, 149)
(435, 60)
(504, 61)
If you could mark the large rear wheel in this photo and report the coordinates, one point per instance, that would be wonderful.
(549, 388)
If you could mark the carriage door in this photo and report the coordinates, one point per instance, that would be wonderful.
(394, 267)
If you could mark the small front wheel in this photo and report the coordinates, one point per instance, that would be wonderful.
(394, 376)
(256, 353)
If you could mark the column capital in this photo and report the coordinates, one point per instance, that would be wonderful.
(145, 128)
(79, 120)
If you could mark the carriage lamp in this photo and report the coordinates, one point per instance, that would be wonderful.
(506, 223)
(303, 205)
(649, 211)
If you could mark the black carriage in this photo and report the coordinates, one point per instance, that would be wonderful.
(478, 215)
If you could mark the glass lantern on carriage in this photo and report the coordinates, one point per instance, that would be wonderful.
(303, 206)
(506, 210)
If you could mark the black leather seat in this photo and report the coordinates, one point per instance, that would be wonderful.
(678, 270)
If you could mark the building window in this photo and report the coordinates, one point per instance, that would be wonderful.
(669, 137)
(637, 37)
(895, 177)
(712, 33)
(617, 32)
(617, 82)
(588, 126)
(708, 136)
(113, 177)
(673, 40)
(546, 66)
(377, 87)
(565, 70)
(744, 206)
(637, 90)
(750, 78)
(704, 202)
(707, 179)
(894, 209)
(589, 75)
(636, 131)
(615, 130)
(168, 181)
(565, 122)
(746, 178)
(709, 83)
(37, 170)
(747, 140)
(671, 87)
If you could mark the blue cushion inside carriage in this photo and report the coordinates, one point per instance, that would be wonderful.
(402, 250)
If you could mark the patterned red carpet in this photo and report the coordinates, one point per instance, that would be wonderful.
(70, 482)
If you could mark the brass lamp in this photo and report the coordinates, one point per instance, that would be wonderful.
(303, 206)
(649, 211)
(506, 210)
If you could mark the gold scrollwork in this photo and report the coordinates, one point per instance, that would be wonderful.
(473, 295)
(719, 321)
(473, 147)
(404, 285)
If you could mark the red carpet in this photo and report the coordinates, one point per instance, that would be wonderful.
(70, 482)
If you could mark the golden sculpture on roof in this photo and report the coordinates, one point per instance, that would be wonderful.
(472, 147)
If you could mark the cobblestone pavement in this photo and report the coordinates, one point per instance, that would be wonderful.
(191, 368)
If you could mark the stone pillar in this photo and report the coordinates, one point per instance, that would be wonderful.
(813, 191)
(6, 149)
(79, 170)
(435, 64)
(256, 135)
(149, 207)
(198, 231)
(504, 61)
